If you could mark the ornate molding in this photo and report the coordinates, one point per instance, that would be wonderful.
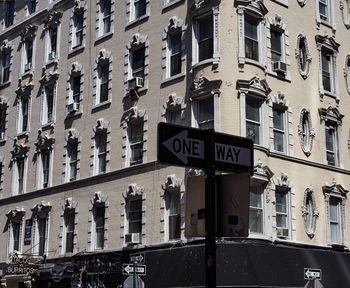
(28, 32)
(101, 125)
(79, 6)
(306, 132)
(310, 217)
(133, 190)
(334, 189)
(279, 99)
(202, 86)
(48, 76)
(76, 68)
(133, 114)
(6, 46)
(136, 41)
(262, 172)
(16, 214)
(99, 199)
(72, 135)
(69, 204)
(174, 103)
(256, 6)
(283, 180)
(346, 71)
(19, 151)
(44, 142)
(172, 183)
(303, 56)
(103, 56)
(331, 114)
(344, 12)
(327, 41)
(53, 19)
(254, 86)
(3, 101)
(42, 209)
(195, 172)
(175, 24)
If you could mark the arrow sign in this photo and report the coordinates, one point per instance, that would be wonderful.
(183, 147)
(128, 269)
(137, 258)
(311, 274)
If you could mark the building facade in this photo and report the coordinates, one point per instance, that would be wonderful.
(83, 85)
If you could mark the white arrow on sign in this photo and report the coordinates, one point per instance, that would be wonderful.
(312, 274)
(183, 147)
(138, 269)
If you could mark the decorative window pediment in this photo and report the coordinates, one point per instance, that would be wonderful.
(202, 86)
(16, 214)
(101, 125)
(309, 212)
(327, 42)
(279, 99)
(103, 56)
(3, 101)
(44, 142)
(283, 180)
(24, 88)
(133, 114)
(136, 41)
(277, 22)
(42, 209)
(79, 6)
(19, 150)
(331, 114)
(174, 103)
(262, 173)
(69, 204)
(53, 19)
(303, 55)
(5, 46)
(49, 76)
(133, 190)
(172, 183)
(306, 131)
(255, 6)
(72, 135)
(76, 68)
(99, 199)
(28, 32)
(334, 189)
(175, 24)
(254, 87)
(346, 71)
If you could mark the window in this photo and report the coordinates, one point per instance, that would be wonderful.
(31, 6)
(138, 62)
(174, 219)
(251, 37)
(105, 17)
(135, 134)
(28, 55)
(78, 24)
(101, 152)
(134, 215)
(174, 54)
(52, 43)
(335, 219)
(138, 9)
(41, 228)
(48, 104)
(75, 88)
(72, 154)
(42, 235)
(331, 145)
(69, 218)
(253, 119)
(204, 113)
(15, 218)
(103, 80)
(279, 133)
(45, 168)
(16, 229)
(99, 223)
(204, 38)
(256, 209)
(276, 45)
(5, 66)
(23, 114)
(19, 176)
(9, 12)
(324, 10)
(282, 213)
(327, 71)
(3, 109)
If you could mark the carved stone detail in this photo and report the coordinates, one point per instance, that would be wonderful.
(69, 204)
(137, 40)
(172, 183)
(72, 135)
(303, 61)
(99, 199)
(133, 190)
(16, 214)
(309, 224)
(44, 141)
(42, 209)
(306, 132)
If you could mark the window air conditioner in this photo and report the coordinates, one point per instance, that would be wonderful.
(52, 55)
(132, 238)
(279, 67)
(282, 232)
(2, 135)
(72, 107)
(27, 67)
(136, 83)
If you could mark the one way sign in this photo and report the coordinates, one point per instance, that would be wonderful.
(185, 146)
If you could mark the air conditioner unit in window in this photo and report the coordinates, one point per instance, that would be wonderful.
(72, 107)
(279, 67)
(27, 67)
(52, 55)
(132, 238)
(2, 135)
(282, 232)
(136, 83)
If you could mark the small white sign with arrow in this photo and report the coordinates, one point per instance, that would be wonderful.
(311, 274)
(128, 269)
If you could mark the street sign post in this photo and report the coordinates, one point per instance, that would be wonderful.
(190, 147)
(130, 268)
(312, 274)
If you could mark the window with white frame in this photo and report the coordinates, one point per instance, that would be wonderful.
(256, 208)
(282, 212)
(31, 6)
(72, 160)
(48, 104)
(5, 66)
(3, 114)
(324, 7)
(99, 226)
(174, 214)
(23, 113)
(105, 17)
(327, 71)
(335, 198)
(137, 9)
(252, 37)
(134, 215)
(9, 13)
(204, 112)
(28, 55)
(69, 224)
(135, 139)
(75, 85)
(100, 152)
(41, 228)
(174, 51)
(103, 81)
(277, 45)
(15, 233)
(45, 168)
(52, 40)
(279, 129)
(78, 26)
(15, 219)
(137, 61)
(253, 119)
(19, 176)
(203, 38)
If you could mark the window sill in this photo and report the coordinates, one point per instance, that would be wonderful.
(47, 126)
(136, 21)
(331, 94)
(282, 2)
(103, 37)
(3, 140)
(76, 50)
(74, 115)
(173, 78)
(170, 4)
(28, 73)
(101, 105)
(255, 63)
(51, 62)
(327, 24)
(5, 84)
(280, 76)
(213, 61)
(22, 135)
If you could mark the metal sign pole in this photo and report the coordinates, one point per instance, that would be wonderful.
(134, 275)
(210, 214)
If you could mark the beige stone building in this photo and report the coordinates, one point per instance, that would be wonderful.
(83, 85)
